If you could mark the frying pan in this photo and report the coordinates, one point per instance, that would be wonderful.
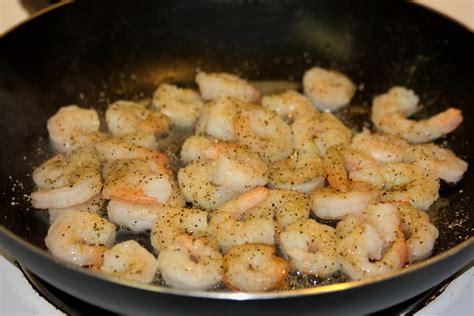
(93, 52)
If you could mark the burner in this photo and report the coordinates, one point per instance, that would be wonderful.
(74, 306)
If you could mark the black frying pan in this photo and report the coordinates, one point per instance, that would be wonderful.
(94, 52)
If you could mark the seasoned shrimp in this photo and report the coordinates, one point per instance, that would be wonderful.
(181, 105)
(73, 127)
(128, 260)
(264, 132)
(288, 105)
(137, 181)
(311, 247)
(440, 162)
(65, 181)
(409, 183)
(171, 222)
(191, 263)
(80, 237)
(126, 117)
(419, 232)
(361, 253)
(136, 217)
(254, 268)
(381, 147)
(320, 131)
(390, 112)
(342, 196)
(328, 90)
(94, 205)
(215, 85)
(363, 168)
(239, 222)
(194, 147)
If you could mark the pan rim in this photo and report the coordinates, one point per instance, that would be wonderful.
(241, 296)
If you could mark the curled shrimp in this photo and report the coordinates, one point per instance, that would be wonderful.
(239, 222)
(366, 250)
(128, 260)
(254, 268)
(409, 183)
(172, 222)
(94, 204)
(191, 263)
(289, 105)
(440, 162)
(66, 180)
(421, 235)
(311, 247)
(390, 112)
(215, 85)
(126, 117)
(73, 127)
(328, 90)
(181, 105)
(137, 181)
(264, 132)
(381, 147)
(194, 148)
(80, 237)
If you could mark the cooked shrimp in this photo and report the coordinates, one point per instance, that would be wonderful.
(181, 105)
(191, 263)
(264, 132)
(381, 147)
(360, 248)
(363, 168)
(194, 147)
(421, 235)
(311, 247)
(288, 105)
(65, 181)
(80, 237)
(137, 181)
(320, 131)
(171, 222)
(385, 219)
(126, 117)
(409, 183)
(254, 268)
(128, 260)
(136, 217)
(440, 162)
(215, 85)
(239, 222)
(114, 149)
(328, 90)
(390, 112)
(94, 205)
(73, 127)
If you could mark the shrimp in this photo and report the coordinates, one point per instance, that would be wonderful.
(311, 247)
(264, 132)
(126, 117)
(191, 263)
(390, 112)
(440, 162)
(288, 105)
(239, 222)
(343, 196)
(328, 90)
(363, 168)
(137, 181)
(254, 268)
(409, 183)
(381, 147)
(73, 127)
(80, 237)
(182, 106)
(130, 261)
(194, 147)
(317, 132)
(172, 222)
(421, 235)
(215, 85)
(136, 217)
(365, 251)
(94, 205)
(66, 180)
